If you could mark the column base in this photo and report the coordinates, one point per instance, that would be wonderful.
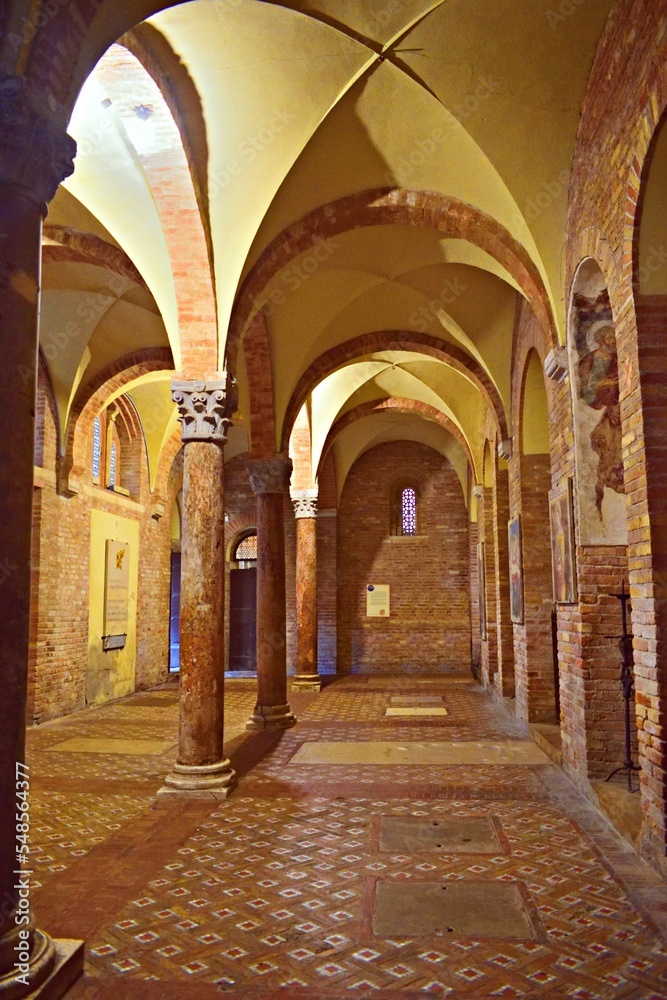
(54, 967)
(271, 717)
(216, 781)
(306, 682)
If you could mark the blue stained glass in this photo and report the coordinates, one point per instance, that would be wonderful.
(112, 466)
(97, 447)
(409, 511)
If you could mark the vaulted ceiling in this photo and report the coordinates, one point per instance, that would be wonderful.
(348, 170)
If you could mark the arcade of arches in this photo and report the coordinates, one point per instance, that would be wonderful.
(346, 326)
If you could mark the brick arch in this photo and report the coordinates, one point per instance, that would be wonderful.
(234, 529)
(396, 405)
(64, 245)
(174, 195)
(257, 356)
(390, 206)
(91, 399)
(393, 340)
(74, 38)
(529, 336)
(168, 456)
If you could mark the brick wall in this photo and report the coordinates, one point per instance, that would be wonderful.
(429, 627)
(59, 655)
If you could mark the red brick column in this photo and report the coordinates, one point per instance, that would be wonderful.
(35, 156)
(489, 644)
(305, 511)
(504, 679)
(269, 479)
(201, 768)
(535, 694)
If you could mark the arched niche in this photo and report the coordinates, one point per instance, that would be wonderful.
(650, 263)
(602, 516)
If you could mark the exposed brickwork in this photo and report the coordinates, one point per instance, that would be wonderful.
(392, 340)
(396, 404)
(429, 627)
(61, 569)
(395, 206)
(166, 167)
(624, 104)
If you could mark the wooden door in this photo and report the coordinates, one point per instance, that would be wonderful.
(242, 619)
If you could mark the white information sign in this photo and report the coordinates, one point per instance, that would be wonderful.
(377, 600)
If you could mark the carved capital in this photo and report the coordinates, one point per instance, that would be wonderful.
(271, 475)
(505, 449)
(478, 492)
(555, 364)
(204, 408)
(305, 503)
(36, 153)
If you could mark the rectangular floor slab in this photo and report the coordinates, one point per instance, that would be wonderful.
(412, 834)
(420, 754)
(414, 711)
(416, 699)
(83, 744)
(470, 909)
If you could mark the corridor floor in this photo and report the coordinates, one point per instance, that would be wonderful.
(326, 871)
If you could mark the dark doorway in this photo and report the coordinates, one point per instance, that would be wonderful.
(243, 605)
(242, 619)
(175, 614)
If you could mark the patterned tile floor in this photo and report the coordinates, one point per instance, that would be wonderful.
(271, 894)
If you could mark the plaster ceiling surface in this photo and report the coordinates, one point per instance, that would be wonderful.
(308, 102)
(378, 429)
(399, 375)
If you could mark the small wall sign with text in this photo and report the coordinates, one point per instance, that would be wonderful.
(377, 600)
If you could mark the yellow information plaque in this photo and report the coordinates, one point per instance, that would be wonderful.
(117, 588)
(377, 600)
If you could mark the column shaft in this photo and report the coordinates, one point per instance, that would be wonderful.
(201, 768)
(202, 606)
(269, 480)
(34, 157)
(307, 677)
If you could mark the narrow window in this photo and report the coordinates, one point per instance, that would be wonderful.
(408, 511)
(97, 448)
(246, 551)
(112, 466)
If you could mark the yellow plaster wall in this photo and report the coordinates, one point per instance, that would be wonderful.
(110, 675)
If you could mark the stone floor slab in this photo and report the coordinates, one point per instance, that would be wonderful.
(420, 754)
(416, 699)
(410, 834)
(82, 744)
(477, 910)
(414, 711)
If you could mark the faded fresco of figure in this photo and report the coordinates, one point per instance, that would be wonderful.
(598, 388)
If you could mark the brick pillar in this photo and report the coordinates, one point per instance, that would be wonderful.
(489, 643)
(269, 479)
(504, 678)
(327, 591)
(475, 640)
(35, 156)
(201, 768)
(536, 694)
(646, 488)
(305, 512)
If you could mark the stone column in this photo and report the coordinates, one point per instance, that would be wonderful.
(270, 481)
(35, 156)
(305, 512)
(201, 768)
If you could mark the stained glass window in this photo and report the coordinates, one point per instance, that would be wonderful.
(247, 548)
(409, 511)
(97, 447)
(112, 466)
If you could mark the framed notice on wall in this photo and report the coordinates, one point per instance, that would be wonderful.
(377, 600)
(116, 593)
